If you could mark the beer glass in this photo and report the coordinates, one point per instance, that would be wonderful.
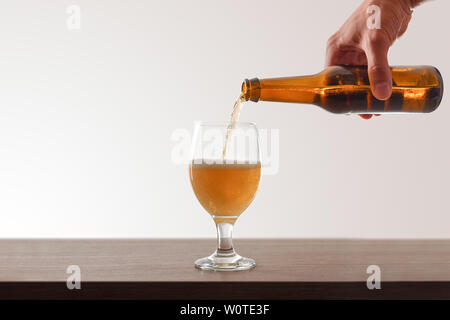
(225, 182)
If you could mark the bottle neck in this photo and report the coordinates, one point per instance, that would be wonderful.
(291, 89)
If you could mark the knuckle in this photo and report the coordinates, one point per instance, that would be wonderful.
(331, 41)
(377, 68)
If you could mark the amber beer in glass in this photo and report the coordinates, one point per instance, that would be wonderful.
(225, 190)
(225, 184)
(346, 89)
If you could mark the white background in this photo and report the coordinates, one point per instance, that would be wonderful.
(86, 119)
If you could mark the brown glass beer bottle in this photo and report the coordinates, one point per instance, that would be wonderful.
(346, 89)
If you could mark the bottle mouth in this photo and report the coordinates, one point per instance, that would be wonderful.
(251, 89)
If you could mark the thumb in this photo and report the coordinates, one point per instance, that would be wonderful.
(378, 68)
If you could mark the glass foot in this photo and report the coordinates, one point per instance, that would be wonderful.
(233, 262)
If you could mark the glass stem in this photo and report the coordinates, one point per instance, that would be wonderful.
(224, 239)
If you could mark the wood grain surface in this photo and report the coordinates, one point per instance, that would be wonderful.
(164, 269)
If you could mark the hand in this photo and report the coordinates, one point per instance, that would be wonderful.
(357, 44)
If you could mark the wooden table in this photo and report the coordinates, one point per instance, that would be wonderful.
(164, 269)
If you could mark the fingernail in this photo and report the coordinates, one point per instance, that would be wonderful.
(382, 90)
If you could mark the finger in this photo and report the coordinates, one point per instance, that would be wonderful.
(332, 55)
(380, 76)
(331, 51)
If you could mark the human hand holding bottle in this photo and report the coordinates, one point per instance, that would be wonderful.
(357, 43)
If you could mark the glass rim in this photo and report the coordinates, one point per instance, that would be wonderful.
(224, 123)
